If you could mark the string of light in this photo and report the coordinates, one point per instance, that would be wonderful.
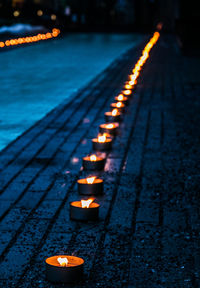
(30, 39)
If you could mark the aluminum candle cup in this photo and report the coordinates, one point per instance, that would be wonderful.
(110, 117)
(72, 272)
(121, 108)
(84, 214)
(102, 146)
(90, 186)
(110, 128)
(122, 99)
(93, 162)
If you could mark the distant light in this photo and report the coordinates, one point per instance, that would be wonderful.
(16, 13)
(39, 12)
(55, 32)
(67, 11)
(53, 17)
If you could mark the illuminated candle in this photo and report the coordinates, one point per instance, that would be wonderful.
(102, 143)
(90, 186)
(64, 268)
(84, 210)
(123, 99)
(118, 105)
(113, 116)
(110, 128)
(93, 162)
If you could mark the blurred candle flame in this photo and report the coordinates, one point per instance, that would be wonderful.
(114, 112)
(120, 97)
(119, 104)
(110, 126)
(86, 203)
(127, 92)
(90, 180)
(102, 138)
(29, 39)
(93, 158)
(62, 261)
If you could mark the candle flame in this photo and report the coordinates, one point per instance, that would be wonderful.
(132, 82)
(86, 203)
(93, 158)
(110, 126)
(120, 97)
(114, 112)
(127, 92)
(63, 261)
(127, 86)
(119, 104)
(102, 138)
(90, 180)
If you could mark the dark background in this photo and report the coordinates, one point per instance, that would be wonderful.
(179, 16)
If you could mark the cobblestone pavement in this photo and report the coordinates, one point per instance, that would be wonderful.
(148, 232)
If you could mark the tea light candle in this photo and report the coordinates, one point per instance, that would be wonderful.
(110, 128)
(133, 83)
(90, 186)
(122, 99)
(64, 268)
(84, 210)
(102, 143)
(93, 162)
(128, 86)
(118, 105)
(113, 116)
(127, 92)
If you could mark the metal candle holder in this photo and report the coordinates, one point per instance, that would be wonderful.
(93, 165)
(71, 273)
(95, 188)
(102, 146)
(84, 214)
(109, 117)
(104, 128)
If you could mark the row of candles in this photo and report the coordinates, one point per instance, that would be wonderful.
(64, 268)
(29, 39)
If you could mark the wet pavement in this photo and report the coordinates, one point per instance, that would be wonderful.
(148, 231)
(36, 78)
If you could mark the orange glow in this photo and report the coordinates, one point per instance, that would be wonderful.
(120, 97)
(119, 104)
(55, 32)
(143, 58)
(110, 126)
(127, 92)
(133, 82)
(114, 112)
(7, 43)
(102, 138)
(62, 261)
(86, 203)
(127, 86)
(90, 180)
(93, 158)
(159, 26)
